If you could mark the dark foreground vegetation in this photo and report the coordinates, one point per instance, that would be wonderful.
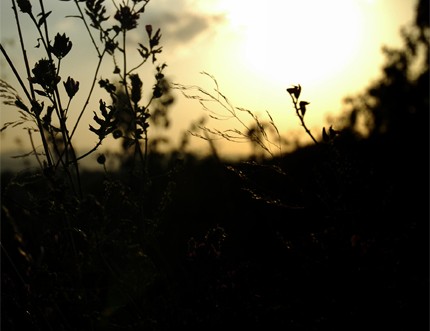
(332, 236)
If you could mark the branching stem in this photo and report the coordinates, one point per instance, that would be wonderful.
(302, 120)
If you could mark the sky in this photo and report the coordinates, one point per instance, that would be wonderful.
(254, 49)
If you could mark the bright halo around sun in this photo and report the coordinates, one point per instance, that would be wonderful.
(306, 41)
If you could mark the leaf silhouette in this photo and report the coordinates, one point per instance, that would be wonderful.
(43, 18)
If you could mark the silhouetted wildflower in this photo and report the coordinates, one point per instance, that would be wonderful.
(45, 74)
(111, 46)
(71, 87)
(24, 6)
(302, 107)
(136, 88)
(148, 29)
(295, 91)
(127, 18)
(62, 46)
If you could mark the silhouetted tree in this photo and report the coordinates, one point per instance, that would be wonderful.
(397, 104)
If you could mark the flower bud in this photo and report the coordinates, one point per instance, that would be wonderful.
(24, 6)
(62, 46)
(148, 29)
(71, 87)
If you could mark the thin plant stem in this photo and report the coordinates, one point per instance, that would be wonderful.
(42, 37)
(33, 97)
(100, 56)
(56, 101)
(90, 151)
(302, 120)
(88, 29)
(45, 24)
(67, 107)
(15, 72)
(138, 66)
(34, 148)
(137, 149)
(87, 101)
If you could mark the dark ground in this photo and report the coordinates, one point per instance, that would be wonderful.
(326, 238)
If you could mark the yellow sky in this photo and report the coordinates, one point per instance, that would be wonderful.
(255, 49)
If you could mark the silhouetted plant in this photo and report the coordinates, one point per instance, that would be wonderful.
(72, 233)
(51, 122)
(156, 115)
(328, 236)
(398, 102)
(300, 107)
(258, 132)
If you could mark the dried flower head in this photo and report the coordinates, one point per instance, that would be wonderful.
(136, 88)
(127, 18)
(71, 87)
(45, 74)
(62, 46)
(24, 6)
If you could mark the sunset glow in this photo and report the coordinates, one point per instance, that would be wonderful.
(305, 41)
(254, 49)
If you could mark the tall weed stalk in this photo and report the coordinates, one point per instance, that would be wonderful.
(48, 104)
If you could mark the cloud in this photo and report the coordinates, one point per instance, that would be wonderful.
(179, 23)
(186, 27)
